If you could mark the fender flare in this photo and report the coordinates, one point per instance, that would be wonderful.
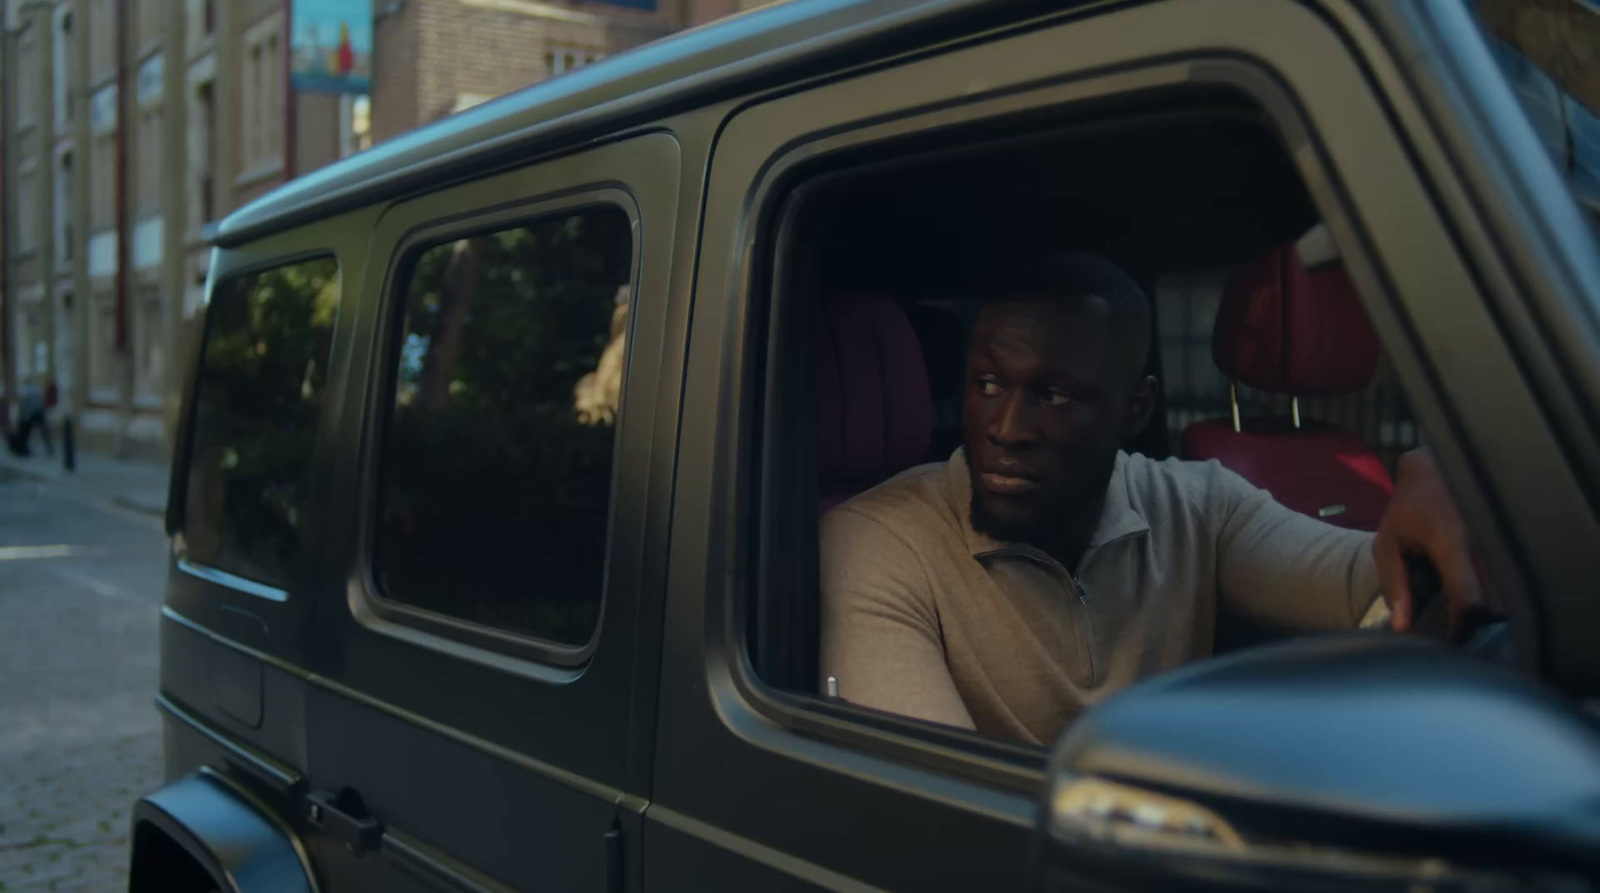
(231, 837)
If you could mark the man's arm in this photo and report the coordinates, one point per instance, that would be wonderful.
(1284, 568)
(880, 629)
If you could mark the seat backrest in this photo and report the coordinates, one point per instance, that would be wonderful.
(874, 409)
(1284, 328)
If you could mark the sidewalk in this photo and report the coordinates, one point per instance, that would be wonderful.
(140, 486)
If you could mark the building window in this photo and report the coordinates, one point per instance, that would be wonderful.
(258, 400)
(65, 372)
(272, 95)
(202, 157)
(27, 76)
(496, 465)
(263, 94)
(253, 109)
(200, 21)
(149, 19)
(27, 213)
(63, 92)
(102, 177)
(63, 208)
(103, 37)
(33, 357)
(150, 371)
(355, 124)
(102, 348)
(103, 111)
(150, 85)
(149, 162)
(559, 60)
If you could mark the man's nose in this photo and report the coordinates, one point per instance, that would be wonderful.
(1012, 424)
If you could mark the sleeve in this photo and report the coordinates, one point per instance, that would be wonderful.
(880, 628)
(1284, 568)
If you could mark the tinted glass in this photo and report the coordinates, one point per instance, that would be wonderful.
(496, 470)
(257, 402)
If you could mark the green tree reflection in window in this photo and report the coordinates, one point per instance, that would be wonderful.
(257, 405)
(496, 476)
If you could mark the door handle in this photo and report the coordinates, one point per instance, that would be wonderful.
(345, 816)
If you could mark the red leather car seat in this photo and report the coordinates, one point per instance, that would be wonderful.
(1289, 330)
(874, 406)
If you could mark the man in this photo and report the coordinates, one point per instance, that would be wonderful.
(32, 412)
(1040, 568)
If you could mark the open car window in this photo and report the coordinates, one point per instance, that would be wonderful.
(1242, 512)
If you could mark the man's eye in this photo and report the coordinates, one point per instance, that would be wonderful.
(988, 387)
(1054, 397)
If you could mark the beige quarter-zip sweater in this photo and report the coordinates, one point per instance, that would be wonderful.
(923, 616)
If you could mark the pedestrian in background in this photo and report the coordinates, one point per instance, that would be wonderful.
(37, 396)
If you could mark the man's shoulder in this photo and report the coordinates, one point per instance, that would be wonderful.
(905, 529)
(1171, 483)
(913, 503)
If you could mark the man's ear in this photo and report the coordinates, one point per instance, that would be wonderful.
(1142, 405)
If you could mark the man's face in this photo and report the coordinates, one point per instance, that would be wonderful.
(1050, 395)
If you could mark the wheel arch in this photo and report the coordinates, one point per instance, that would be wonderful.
(231, 840)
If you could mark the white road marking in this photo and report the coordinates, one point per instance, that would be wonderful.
(23, 553)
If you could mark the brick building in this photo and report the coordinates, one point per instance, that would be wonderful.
(463, 52)
(112, 173)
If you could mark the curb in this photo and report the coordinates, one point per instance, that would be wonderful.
(134, 505)
(13, 472)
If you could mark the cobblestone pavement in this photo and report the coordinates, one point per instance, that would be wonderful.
(80, 586)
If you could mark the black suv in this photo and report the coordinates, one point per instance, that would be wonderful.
(494, 514)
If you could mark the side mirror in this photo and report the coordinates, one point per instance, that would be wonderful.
(1352, 763)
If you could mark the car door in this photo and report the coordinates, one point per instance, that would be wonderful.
(762, 787)
(474, 722)
(236, 640)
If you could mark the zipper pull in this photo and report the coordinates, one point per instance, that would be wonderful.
(1083, 592)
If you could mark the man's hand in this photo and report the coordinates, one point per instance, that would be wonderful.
(1423, 520)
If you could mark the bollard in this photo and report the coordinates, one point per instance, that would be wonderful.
(69, 454)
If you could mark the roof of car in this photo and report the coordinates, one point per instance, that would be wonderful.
(736, 55)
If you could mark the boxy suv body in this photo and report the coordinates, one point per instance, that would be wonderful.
(494, 509)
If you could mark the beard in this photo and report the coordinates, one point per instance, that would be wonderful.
(1033, 530)
(1052, 518)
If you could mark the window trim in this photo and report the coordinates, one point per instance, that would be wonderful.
(229, 580)
(183, 440)
(260, 85)
(433, 629)
(29, 61)
(62, 75)
(1010, 765)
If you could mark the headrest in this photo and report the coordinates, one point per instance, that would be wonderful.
(875, 415)
(1284, 328)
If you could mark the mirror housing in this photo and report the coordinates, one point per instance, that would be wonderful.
(1351, 762)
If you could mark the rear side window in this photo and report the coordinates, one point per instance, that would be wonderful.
(257, 403)
(495, 484)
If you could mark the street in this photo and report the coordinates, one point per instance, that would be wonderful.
(80, 587)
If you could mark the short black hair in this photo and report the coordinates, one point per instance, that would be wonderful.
(1073, 276)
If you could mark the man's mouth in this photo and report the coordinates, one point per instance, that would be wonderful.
(1005, 484)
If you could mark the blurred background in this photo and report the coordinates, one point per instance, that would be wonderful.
(128, 128)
